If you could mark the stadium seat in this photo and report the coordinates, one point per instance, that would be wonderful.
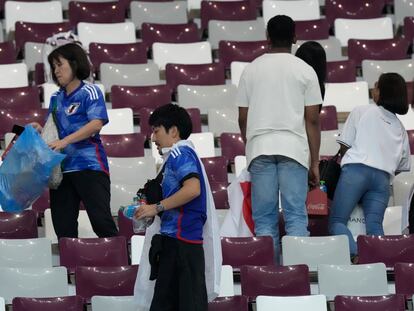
(7, 53)
(296, 303)
(137, 244)
(129, 74)
(252, 30)
(372, 69)
(341, 71)
(226, 282)
(181, 53)
(370, 28)
(357, 303)
(203, 74)
(124, 145)
(137, 97)
(299, 10)
(240, 51)
(256, 251)
(106, 33)
(175, 33)
(26, 97)
(346, 96)
(317, 29)
(203, 144)
(18, 226)
(132, 171)
(408, 28)
(233, 303)
(105, 281)
(65, 3)
(353, 9)
(274, 281)
(385, 49)
(313, 251)
(34, 12)
(33, 283)
(226, 11)
(113, 303)
(332, 47)
(26, 253)
(240, 163)
(402, 9)
(328, 118)
(103, 252)
(216, 168)
(66, 303)
(42, 203)
(23, 116)
(404, 279)
(336, 280)
(117, 53)
(386, 249)
(223, 120)
(329, 146)
(171, 12)
(205, 97)
(121, 121)
(13, 75)
(236, 70)
(232, 145)
(96, 12)
(33, 54)
(220, 196)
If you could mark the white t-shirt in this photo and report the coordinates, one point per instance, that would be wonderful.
(376, 138)
(276, 87)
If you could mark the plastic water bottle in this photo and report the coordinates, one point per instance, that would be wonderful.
(322, 186)
(139, 225)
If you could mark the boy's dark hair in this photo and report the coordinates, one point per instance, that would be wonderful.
(393, 93)
(172, 115)
(312, 53)
(281, 31)
(77, 58)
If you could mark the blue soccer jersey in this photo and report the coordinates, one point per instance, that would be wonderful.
(186, 222)
(83, 105)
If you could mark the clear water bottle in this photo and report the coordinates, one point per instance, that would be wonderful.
(322, 186)
(139, 225)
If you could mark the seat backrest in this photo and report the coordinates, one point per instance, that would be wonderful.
(204, 97)
(346, 96)
(69, 303)
(106, 33)
(372, 28)
(223, 120)
(402, 9)
(103, 252)
(137, 97)
(404, 279)
(26, 97)
(203, 144)
(124, 145)
(7, 53)
(240, 163)
(118, 53)
(33, 54)
(181, 53)
(251, 30)
(356, 303)
(220, 197)
(171, 12)
(96, 12)
(232, 145)
(329, 119)
(332, 47)
(386, 249)
(84, 226)
(199, 74)
(25, 253)
(129, 75)
(353, 9)
(313, 251)
(226, 281)
(299, 10)
(372, 69)
(113, 303)
(216, 168)
(340, 280)
(341, 71)
(132, 171)
(329, 146)
(238, 252)
(121, 121)
(19, 115)
(33, 282)
(298, 303)
(137, 245)
(40, 12)
(229, 303)
(13, 75)
(236, 70)
(65, 3)
(169, 33)
(317, 29)
(274, 280)
(240, 51)
(18, 226)
(105, 281)
(392, 223)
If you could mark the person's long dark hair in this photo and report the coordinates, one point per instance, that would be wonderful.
(312, 53)
(393, 93)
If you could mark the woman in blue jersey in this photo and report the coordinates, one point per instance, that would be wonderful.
(80, 113)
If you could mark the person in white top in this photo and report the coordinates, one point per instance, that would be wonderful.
(374, 148)
(278, 99)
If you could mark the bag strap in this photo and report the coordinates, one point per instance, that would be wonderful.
(160, 174)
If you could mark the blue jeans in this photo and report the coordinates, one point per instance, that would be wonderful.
(369, 185)
(269, 175)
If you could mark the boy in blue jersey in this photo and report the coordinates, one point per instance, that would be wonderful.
(180, 284)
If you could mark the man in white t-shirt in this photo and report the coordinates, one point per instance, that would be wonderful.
(278, 98)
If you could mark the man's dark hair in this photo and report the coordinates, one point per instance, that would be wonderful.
(76, 57)
(172, 115)
(312, 53)
(281, 31)
(393, 93)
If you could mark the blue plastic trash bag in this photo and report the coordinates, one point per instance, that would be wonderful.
(25, 171)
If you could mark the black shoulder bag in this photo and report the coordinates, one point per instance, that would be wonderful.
(329, 171)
